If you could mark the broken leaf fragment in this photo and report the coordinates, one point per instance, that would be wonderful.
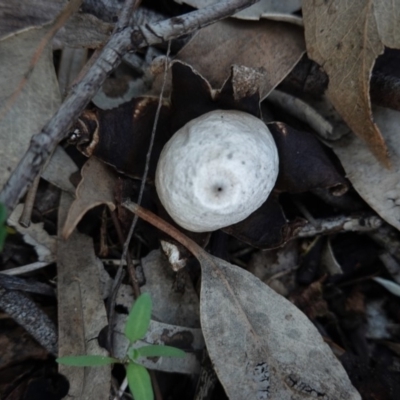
(272, 48)
(345, 38)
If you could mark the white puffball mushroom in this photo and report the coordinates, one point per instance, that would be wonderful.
(217, 170)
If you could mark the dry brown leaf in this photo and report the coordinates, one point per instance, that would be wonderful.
(345, 37)
(95, 188)
(273, 48)
(81, 311)
(379, 187)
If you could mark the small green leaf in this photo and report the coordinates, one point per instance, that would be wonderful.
(139, 318)
(139, 382)
(86, 361)
(133, 354)
(160, 351)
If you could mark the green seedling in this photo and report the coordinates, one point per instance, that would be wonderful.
(135, 329)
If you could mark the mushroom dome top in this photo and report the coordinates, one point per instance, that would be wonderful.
(216, 170)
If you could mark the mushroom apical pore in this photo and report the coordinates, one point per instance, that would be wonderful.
(216, 170)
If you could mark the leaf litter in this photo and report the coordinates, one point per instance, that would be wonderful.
(263, 341)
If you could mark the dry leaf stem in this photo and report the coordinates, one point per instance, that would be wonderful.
(160, 224)
(121, 41)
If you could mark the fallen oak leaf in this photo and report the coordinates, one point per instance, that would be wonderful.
(261, 345)
(345, 38)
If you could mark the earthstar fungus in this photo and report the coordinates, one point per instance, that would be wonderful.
(216, 170)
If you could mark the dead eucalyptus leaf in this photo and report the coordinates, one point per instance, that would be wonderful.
(261, 345)
(379, 187)
(95, 188)
(345, 38)
(24, 110)
(262, 9)
(271, 47)
(82, 30)
(81, 310)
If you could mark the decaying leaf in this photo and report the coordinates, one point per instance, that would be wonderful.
(270, 47)
(82, 30)
(95, 188)
(345, 38)
(262, 9)
(44, 244)
(81, 310)
(261, 345)
(23, 111)
(59, 170)
(379, 187)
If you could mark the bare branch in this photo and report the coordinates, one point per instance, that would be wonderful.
(122, 41)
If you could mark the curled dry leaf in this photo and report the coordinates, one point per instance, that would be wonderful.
(271, 47)
(95, 188)
(379, 187)
(345, 38)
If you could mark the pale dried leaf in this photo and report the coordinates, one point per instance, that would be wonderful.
(261, 345)
(95, 188)
(44, 244)
(262, 9)
(390, 286)
(81, 311)
(59, 169)
(379, 187)
(272, 48)
(81, 30)
(25, 113)
(163, 334)
(345, 38)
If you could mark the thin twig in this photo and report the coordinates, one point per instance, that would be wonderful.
(149, 153)
(341, 223)
(128, 39)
